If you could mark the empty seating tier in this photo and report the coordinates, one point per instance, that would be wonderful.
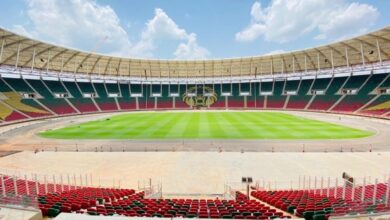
(22, 99)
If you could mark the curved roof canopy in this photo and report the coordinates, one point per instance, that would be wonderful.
(20, 51)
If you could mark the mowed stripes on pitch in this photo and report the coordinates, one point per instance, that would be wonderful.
(206, 125)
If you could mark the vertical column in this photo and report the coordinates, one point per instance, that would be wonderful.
(17, 57)
(1, 51)
(68, 181)
(55, 184)
(45, 180)
(3, 186)
(387, 192)
(15, 185)
(379, 52)
(299, 182)
(328, 188)
(362, 53)
(346, 56)
(375, 191)
(74, 181)
(36, 185)
(62, 183)
(27, 186)
(363, 190)
(81, 180)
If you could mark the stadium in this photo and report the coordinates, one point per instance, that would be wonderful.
(301, 134)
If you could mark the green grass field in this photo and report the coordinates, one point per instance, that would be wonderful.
(206, 125)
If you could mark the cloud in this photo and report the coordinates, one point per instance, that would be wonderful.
(191, 49)
(78, 23)
(275, 52)
(162, 27)
(88, 25)
(19, 29)
(285, 20)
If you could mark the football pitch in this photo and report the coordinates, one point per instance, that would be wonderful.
(206, 125)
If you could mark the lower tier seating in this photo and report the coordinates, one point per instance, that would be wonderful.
(321, 204)
(52, 199)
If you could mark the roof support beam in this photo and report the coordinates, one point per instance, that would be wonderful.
(311, 61)
(37, 54)
(346, 56)
(16, 42)
(62, 63)
(94, 65)
(318, 62)
(374, 45)
(293, 64)
(22, 50)
(297, 64)
(305, 64)
(33, 60)
(1, 51)
(57, 54)
(362, 53)
(379, 51)
(332, 60)
(353, 48)
(48, 62)
(107, 65)
(17, 56)
(119, 67)
(70, 59)
(82, 61)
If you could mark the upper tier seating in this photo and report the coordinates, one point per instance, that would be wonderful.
(277, 99)
(325, 102)
(126, 102)
(22, 99)
(302, 98)
(103, 101)
(236, 101)
(165, 102)
(12, 98)
(351, 103)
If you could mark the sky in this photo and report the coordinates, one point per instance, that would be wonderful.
(192, 29)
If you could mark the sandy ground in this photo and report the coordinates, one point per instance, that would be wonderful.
(197, 172)
(23, 137)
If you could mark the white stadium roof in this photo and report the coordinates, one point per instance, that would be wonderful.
(20, 51)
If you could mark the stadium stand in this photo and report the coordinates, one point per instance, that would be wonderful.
(23, 99)
(326, 101)
(56, 198)
(316, 203)
(322, 203)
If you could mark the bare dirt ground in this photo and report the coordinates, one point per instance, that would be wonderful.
(24, 137)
